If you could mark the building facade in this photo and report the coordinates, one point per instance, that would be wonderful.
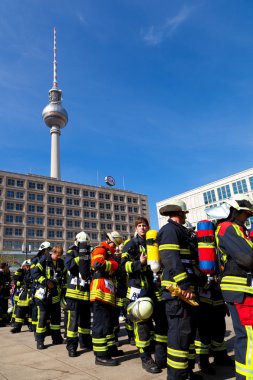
(34, 208)
(210, 195)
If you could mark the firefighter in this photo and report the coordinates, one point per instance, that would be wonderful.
(178, 271)
(49, 274)
(44, 249)
(236, 254)
(103, 299)
(5, 286)
(23, 283)
(77, 263)
(140, 284)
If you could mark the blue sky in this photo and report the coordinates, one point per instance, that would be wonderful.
(159, 93)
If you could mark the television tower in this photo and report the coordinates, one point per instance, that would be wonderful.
(56, 118)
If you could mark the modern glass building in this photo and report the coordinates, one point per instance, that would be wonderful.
(211, 195)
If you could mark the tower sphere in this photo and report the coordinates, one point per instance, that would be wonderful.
(54, 115)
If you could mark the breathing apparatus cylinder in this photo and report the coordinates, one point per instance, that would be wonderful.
(140, 310)
(152, 251)
(207, 247)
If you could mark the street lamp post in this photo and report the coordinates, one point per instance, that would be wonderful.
(26, 249)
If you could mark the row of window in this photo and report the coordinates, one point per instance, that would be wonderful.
(224, 192)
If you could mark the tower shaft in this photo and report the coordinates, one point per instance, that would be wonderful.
(55, 152)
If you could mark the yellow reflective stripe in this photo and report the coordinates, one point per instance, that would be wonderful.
(237, 288)
(55, 327)
(160, 338)
(249, 351)
(244, 370)
(128, 267)
(180, 276)
(39, 266)
(167, 283)
(108, 265)
(240, 233)
(206, 245)
(97, 256)
(174, 247)
(185, 251)
(41, 279)
(177, 365)
(178, 353)
(99, 340)
(83, 331)
(77, 259)
(234, 280)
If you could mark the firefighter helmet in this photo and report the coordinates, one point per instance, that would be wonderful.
(140, 310)
(82, 237)
(241, 202)
(26, 262)
(45, 245)
(175, 205)
(115, 237)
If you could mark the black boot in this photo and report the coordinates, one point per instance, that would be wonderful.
(72, 353)
(194, 376)
(204, 365)
(150, 366)
(106, 361)
(15, 330)
(40, 346)
(223, 359)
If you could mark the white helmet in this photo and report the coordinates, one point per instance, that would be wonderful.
(140, 310)
(45, 245)
(175, 205)
(26, 262)
(82, 237)
(241, 202)
(115, 237)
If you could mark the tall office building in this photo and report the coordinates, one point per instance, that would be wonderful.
(34, 208)
(210, 195)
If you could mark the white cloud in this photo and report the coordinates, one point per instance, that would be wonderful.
(156, 35)
(81, 18)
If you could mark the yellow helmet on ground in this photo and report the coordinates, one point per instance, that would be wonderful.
(140, 310)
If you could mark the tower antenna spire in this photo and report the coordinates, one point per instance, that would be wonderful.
(55, 84)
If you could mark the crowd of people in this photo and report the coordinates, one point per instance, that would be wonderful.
(172, 314)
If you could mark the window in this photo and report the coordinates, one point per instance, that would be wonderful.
(76, 202)
(135, 200)
(40, 186)
(117, 226)
(121, 198)
(39, 197)
(50, 199)
(93, 204)
(130, 209)
(31, 208)
(9, 206)
(86, 225)
(39, 220)
(123, 228)
(50, 234)
(51, 210)
(31, 196)
(59, 211)
(102, 215)
(115, 198)
(59, 222)
(18, 219)
(109, 226)
(17, 245)
(19, 207)
(59, 234)
(92, 194)
(10, 182)
(30, 232)
(20, 183)
(108, 216)
(19, 195)
(7, 244)
(93, 225)
(69, 201)
(86, 214)
(224, 192)
(68, 190)
(93, 214)
(122, 208)
(77, 223)
(209, 197)
(123, 218)
(102, 226)
(94, 236)
(58, 199)
(129, 200)
(69, 212)
(31, 185)
(51, 222)
(117, 217)
(240, 187)
(10, 194)
(131, 218)
(50, 187)
(58, 189)
(69, 223)
(8, 231)
(85, 193)
(39, 209)
(70, 235)
(101, 195)
(85, 204)
(107, 196)
(8, 218)
(136, 210)
(39, 233)
(76, 191)
(251, 182)
(30, 220)
(116, 207)
(108, 206)
(101, 205)
(76, 213)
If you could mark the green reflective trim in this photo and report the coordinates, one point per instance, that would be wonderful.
(170, 247)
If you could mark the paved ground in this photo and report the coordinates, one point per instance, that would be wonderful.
(20, 360)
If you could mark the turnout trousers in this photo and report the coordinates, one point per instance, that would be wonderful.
(46, 310)
(103, 338)
(243, 346)
(180, 339)
(78, 324)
